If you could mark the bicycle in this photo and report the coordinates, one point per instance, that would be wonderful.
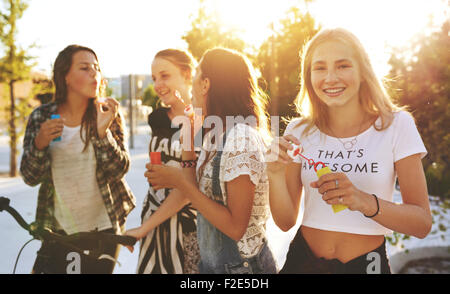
(94, 238)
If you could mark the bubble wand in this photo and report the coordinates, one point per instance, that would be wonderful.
(297, 151)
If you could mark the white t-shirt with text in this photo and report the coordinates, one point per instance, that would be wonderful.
(369, 165)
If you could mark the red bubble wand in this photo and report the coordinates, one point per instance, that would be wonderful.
(324, 170)
(298, 151)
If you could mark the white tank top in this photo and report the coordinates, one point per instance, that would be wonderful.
(79, 206)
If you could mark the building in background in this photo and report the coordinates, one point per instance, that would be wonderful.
(115, 86)
(138, 82)
(132, 92)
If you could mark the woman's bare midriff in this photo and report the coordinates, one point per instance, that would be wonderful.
(338, 245)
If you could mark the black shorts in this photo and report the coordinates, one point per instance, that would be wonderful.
(301, 260)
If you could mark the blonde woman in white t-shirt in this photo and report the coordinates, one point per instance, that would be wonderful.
(350, 125)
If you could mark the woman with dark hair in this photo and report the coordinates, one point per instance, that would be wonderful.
(168, 232)
(230, 186)
(79, 160)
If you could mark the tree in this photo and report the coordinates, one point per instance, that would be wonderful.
(13, 67)
(151, 97)
(279, 59)
(43, 89)
(422, 82)
(207, 33)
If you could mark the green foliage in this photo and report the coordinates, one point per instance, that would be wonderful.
(397, 238)
(150, 97)
(14, 66)
(279, 57)
(438, 179)
(422, 82)
(108, 92)
(43, 90)
(207, 32)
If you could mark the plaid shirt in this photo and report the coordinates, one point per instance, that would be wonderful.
(113, 162)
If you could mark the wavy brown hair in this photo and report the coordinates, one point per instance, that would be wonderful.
(62, 66)
(233, 90)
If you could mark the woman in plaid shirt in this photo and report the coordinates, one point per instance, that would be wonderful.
(81, 174)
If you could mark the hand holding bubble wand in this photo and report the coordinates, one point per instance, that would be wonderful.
(189, 109)
(297, 151)
(194, 117)
(101, 99)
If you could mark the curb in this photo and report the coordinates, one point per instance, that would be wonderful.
(400, 259)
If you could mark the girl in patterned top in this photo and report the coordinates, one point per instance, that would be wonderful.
(229, 188)
(81, 175)
(168, 231)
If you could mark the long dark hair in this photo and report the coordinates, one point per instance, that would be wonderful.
(62, 66)
(233, 89)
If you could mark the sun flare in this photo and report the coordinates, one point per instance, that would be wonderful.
(378, 24)
(250, 19)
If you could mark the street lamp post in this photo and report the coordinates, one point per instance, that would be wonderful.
(137, 100)
(130, 111)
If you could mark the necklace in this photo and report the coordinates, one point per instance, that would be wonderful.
(349, 144)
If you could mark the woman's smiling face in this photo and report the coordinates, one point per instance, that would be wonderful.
(167, 78)
(335, 74)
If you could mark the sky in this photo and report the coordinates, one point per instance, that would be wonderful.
(127, 34)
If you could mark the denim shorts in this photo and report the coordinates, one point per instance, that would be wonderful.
(219, 254)
(301, 260)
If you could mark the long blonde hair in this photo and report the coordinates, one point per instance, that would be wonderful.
(372, 95)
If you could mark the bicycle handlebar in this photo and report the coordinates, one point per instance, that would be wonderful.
(46, 234)
(91, 237)
(4, 203)
(94, 241)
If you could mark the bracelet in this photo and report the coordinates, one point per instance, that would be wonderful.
(378, 208)
(188, 163)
